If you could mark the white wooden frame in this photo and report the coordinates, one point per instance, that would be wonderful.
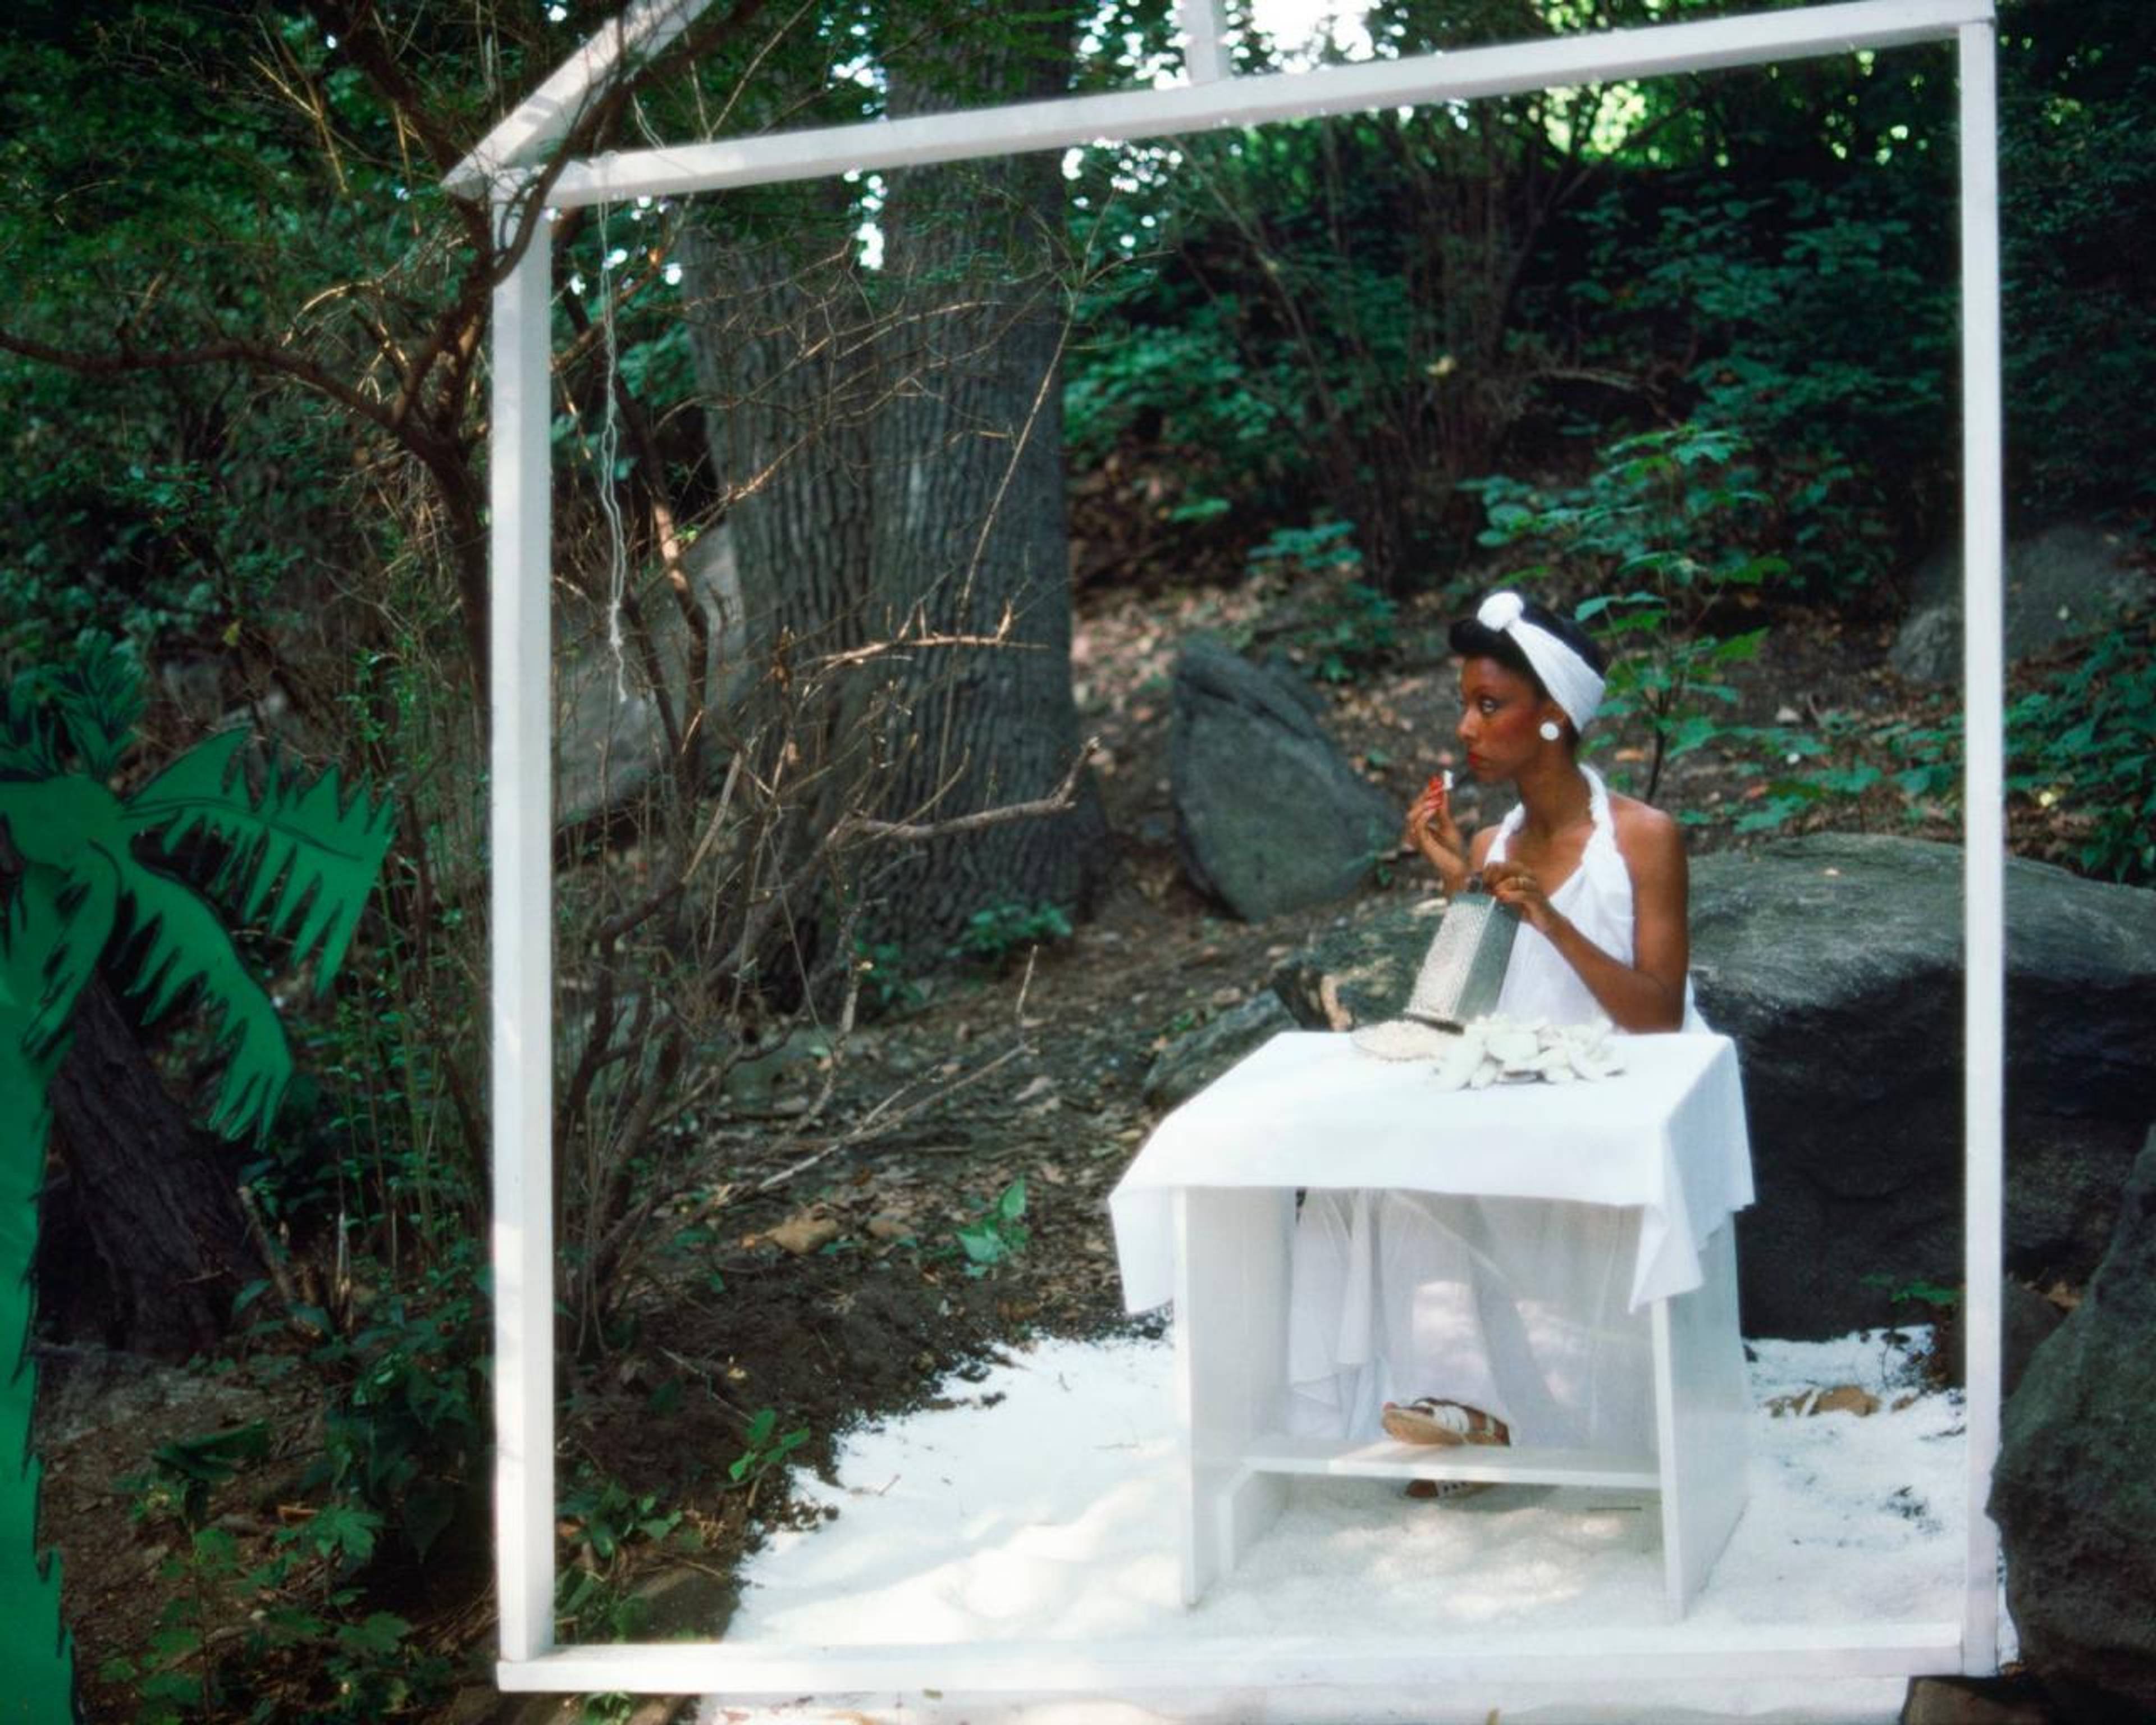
(520, 830)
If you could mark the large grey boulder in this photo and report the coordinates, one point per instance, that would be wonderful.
(2074, 1491)
(1195, 1059)
(1269, 816)
(2065, 582)
(1836, 962)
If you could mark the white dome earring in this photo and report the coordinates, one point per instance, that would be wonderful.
(1551, 730)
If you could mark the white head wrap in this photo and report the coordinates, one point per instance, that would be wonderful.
(1572, 683)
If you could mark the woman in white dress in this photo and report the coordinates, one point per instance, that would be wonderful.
(1443, 1319)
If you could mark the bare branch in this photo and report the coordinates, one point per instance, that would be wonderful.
(1063, 797)
(876, 1123)
(905, 643)
(258, 355)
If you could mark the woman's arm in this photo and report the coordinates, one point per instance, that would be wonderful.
(1649, 994)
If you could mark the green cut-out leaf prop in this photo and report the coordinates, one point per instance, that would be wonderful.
(71, 839)
(183, 948)
(300, 839)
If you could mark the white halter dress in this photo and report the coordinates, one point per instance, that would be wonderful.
(1519, 1306)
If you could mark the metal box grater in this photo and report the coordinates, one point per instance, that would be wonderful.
(1463, 971)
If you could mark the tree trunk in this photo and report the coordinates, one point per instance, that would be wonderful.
(969, 534)
(781, 334)
(785, 360)
(148, 1188)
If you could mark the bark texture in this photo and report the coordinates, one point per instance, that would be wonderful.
(891, 445)
(149, 1191)
(970, 538)
(782, 337)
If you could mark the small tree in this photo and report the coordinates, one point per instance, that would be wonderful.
(296, 848)
(1662, 533)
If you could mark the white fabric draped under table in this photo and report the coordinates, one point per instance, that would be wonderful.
(1205, 1217)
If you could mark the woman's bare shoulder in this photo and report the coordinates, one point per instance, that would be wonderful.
(1645, 832)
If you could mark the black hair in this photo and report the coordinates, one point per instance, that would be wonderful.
(1472, 638)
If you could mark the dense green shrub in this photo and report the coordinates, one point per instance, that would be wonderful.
(2080, 767)
(1818, 322)
(1666, 533)
(2078, 188)
(2088, 741)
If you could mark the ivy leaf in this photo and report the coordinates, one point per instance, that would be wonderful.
(344, 1529)
(380, 1633)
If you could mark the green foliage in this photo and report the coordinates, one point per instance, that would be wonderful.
(1915, 1291)
(184, 1472)
(1814, 322)
(2077, 177)
(2081, 745)
(299, 840)
(155, 189)
(607, 1517)
(2088, 742)
(1311, 319)
(594, 1601)
(277, 1635)
(1175, 367)
(882, 968)
(995, 934)
(1346, 628)
(80, 878)
(997, 1234)
(405, 1436)
(1662, 534)
(764, 1447)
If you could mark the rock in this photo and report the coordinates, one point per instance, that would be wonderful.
(804, 1232)
(2068, 581)
(1269, 816)
(1361, 973)
(674, 1604)
(1195, 1059)
(1973, 1701)
(1836, 962)
(2026, 1321)
(2074, 1491)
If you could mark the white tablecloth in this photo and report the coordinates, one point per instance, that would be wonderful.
(1310, 1109)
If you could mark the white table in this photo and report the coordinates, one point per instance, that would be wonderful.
(1205, 1215)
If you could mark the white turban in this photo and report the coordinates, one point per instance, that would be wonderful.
(1572, 683)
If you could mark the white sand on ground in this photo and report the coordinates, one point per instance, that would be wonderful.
(1042, 1506)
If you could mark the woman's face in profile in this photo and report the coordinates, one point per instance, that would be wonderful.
(1499, 712)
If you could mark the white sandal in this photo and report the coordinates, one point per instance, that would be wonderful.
(1432, 1420)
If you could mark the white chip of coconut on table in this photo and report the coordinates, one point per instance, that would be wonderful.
(1495, 1049)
